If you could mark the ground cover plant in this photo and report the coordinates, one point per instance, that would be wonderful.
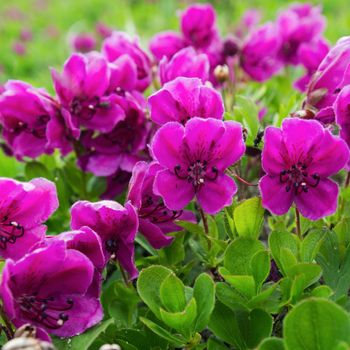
(187, 187)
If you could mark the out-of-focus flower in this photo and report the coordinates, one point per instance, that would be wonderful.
(24, 115)
(195, 157)
(166, 44)
(49, 289)
(310, 55)
(24, 207)
(184, 98)
(248, 22)
(155, 219)
(300, 23)
(19, 48)
(103, 30)
(259, 54)
(122, 147)
(116, 184)
(119, 44)
(185, 63)
(198, 25)
(298, 160)
(83, 42)
(331, 76)
(26, 35)
(115, 224)
(342, 113)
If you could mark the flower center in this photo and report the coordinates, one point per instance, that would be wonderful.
(48, 311)
(9, 232)
(298, 179)
(112, 247)
(86, 108)
(38, 129)
(157, 212)
(197, 173)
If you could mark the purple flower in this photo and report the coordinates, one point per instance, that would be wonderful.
(331, 76)
(81, 89)
(103, 30)
(300, 23)
(119, 44)
(166, 44)
(23, 209)
(298, 160)
(195, 157)
(122, 147)
(198, 25)
(115, 224)
(184, 98)
(19, 48)
(155, 219)
(49, 288)
(116, 184)
(83, 42)
(342, 113)
(310, 55)
(24, 115)
(185, 63)
(259, 53)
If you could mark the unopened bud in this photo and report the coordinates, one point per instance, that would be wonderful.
(110, 347)
(24, 343)
(221, 73)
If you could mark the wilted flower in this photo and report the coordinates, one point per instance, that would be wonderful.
(259, 54)
(298, 160)
(119, 44)
(155, 219)
(198, 25)
(195, 157)
(300, 23)
(331, 76)
(49, 289)
(115, 224)
(83, 42)
(24, 115)
(184, 98)
(23, 209)
(185, 63)
(121, 148)
(81, 89)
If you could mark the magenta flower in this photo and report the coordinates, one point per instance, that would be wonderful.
(185, 63)
(166, 44)
(103, 30)
(259, 54)
(331, 76)
(82, 88)
(83, 42)
(184, 98)
(155, 219)
(342, 113)
(24, 115)
(119, 44)
(310, 55)
(23, 209)
(115, 224)
(300, 23)
(122, 147)
(198, 25)
(19, 48)
(298, 160)
(49, 288)
(116, 184)
(195, 157)
(250, 19)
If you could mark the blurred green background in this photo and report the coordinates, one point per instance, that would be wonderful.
(53, 21)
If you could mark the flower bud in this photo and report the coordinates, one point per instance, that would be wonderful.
(24, 343)
(110, 347)
(221, 73)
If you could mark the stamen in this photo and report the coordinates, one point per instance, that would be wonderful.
(10, 232)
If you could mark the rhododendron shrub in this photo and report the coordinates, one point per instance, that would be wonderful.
(179, 189)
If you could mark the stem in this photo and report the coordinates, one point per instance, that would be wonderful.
(8, 326)
(205, 224)
(347, 181)
(242, 180)
(125, 277)
(297, 223)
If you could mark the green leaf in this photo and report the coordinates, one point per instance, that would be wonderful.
(35, 169)
(204, 293)
(181, 321)
(215, 344)
(311, 244)
(249, 217)
(287, 259)
(172, 294)
(316, 324)
(244, 284)
(175, 340)
(312, 272)
(148, 286)
(322, 292)
(272, 344)
(239, 254)
(175, 253)
(260, 266)
(230, 296)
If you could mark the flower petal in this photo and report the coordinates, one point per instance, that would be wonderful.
(154, 234)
